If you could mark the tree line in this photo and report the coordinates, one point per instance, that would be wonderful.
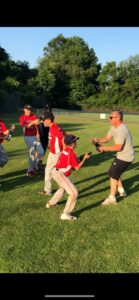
(69, 76)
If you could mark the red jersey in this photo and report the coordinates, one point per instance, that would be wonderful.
(24, 120)
(67, 161)
(2, 130)
(55, 138)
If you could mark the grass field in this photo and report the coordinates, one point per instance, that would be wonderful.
(103, 240)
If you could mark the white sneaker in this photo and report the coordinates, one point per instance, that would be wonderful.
(67, 216)
(123, 194)
(48, 205)
(109, 201)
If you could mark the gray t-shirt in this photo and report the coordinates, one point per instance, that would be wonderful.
(122, 135)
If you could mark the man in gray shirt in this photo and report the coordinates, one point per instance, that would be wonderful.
(125, 153)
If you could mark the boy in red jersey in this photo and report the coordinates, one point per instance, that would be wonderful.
(66, 163)
(29, 123)
(56, 135)
(4, 134)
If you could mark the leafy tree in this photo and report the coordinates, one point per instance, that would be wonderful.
(21, 71)
(69, 70)
(4, 56)
(129, 73)
(10, 83)
(107, 76)
(14, 77)
(109, 84)
(4, 66)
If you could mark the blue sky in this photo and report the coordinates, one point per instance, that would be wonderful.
(109, 43)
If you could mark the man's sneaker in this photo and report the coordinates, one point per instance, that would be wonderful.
(109, 201)
(122, 194)
(44, 193)
(31, 173)
(48, 205)
(67, 216)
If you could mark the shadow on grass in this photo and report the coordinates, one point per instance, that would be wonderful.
(97, 159)
(91, 178)
(100, 158)
(80, 211)
(96, 184)
(88, 188)
(17, 152)
(134, 166)
(72, 127)
(10, 183)
(15, 173)
(93, 205)
(129, 186)
(130, 182)
(127, 183)
(93, 192)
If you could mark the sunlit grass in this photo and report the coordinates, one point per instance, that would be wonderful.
(103, 239)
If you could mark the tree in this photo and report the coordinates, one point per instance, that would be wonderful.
(69, 70)
(14, 81)
(4, 56)
(129, 73)
(4, 66)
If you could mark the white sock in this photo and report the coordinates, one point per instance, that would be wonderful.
(120, 189)
(112, 197)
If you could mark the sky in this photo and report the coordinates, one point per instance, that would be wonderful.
(109, 43)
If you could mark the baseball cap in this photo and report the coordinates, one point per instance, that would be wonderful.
(69, 139)
(47, 106)
(47, 115)
(28, 106)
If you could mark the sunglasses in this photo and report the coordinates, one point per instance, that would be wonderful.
(112, 117)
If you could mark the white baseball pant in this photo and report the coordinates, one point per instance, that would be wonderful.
(51, 162)
(65, 184)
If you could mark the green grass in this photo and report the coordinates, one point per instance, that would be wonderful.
(102, 240)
